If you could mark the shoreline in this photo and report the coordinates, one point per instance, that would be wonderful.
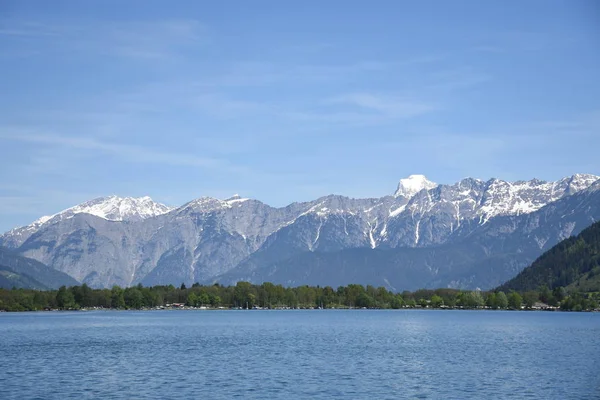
(190, 309)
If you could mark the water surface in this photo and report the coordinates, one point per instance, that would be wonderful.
(319, 354)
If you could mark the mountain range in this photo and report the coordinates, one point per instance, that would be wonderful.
(470, 234)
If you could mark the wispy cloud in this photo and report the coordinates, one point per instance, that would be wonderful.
(130, 153)
(252, 73)
(224, 107)
(391, 106)
(152, 39)
(29, 29)
(511, 41)
(585, 124)
(63, 162)
(453, 79)
(360, 109)
(162, 39)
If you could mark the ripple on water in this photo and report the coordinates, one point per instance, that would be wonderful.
(291, 354)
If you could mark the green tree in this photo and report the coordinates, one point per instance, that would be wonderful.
(351, 294)
(116, 297)
(39, 301)
(86, 296)
(251, 300)
(215, 301)
(204, 299)
(559, 293)
(501, 300)
(241, 293)
(364, 300)
(328, 297)
(471, 299)
(530, 298)
(306, 296)
(436, 301)
(192, 300)
(545, 295)
(490, 301)
(290, 298)
(65, 299)
(133, 298)
(514, 301)
(397, 302)
(383, 297)
(83, 295)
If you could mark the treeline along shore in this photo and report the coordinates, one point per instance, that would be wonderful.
(245, 295)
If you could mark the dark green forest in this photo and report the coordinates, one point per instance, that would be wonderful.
(269, 296)
(574, 264)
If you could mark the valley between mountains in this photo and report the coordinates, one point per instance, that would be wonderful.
(470, 234)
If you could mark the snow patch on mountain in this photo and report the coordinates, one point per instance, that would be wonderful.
(236, 198)
(397, 211)
(209, 204)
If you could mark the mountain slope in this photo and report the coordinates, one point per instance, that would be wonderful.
(10, 279)
(484, 257)
(111, 208)
(499, 225)
(573, 262)
(448, 212)
(40, 275)
(202, 238)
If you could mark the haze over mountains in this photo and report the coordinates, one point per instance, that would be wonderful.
(469, 234)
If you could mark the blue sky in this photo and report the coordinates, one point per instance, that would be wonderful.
(287, 101)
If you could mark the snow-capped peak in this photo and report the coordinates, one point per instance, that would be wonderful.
(115, 208)
(112, 208)
(412, 185)
(579, 182)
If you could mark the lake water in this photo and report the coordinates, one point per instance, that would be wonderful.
(320, 354)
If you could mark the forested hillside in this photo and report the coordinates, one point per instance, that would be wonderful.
(11, 279)
(574, 264)
(22, 272)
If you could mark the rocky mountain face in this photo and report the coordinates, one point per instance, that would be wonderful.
(477, 254)
(469, 234)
